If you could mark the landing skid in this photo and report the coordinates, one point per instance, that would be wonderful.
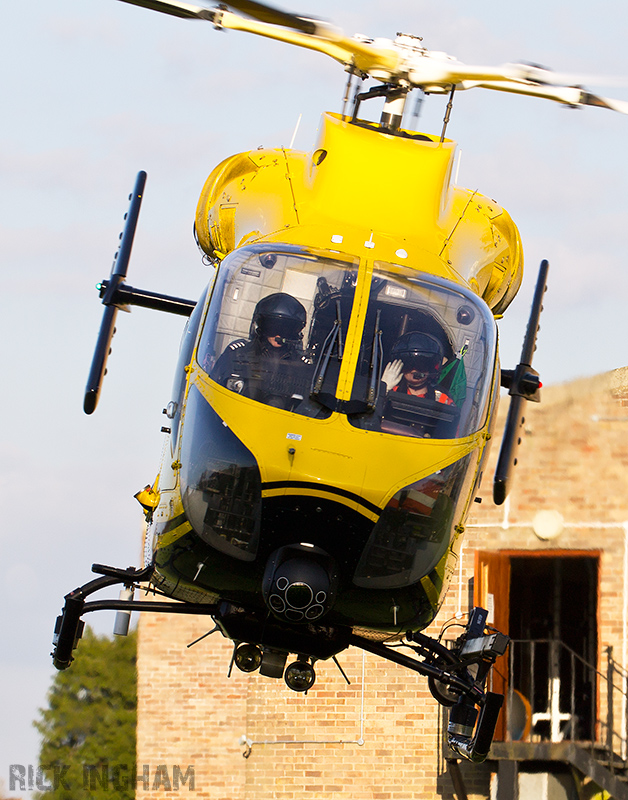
(456, 676)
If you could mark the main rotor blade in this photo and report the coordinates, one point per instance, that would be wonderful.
(545, 76)
(274, 16)
(437, 72)
(588, 99)
(252, 9)
(569, 95)
(175, 8)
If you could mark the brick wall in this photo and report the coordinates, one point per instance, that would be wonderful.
(380, 736)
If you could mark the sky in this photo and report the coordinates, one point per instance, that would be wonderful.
(95, 90)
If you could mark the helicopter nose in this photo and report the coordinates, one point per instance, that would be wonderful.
(300, 583)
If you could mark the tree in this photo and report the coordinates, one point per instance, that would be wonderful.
(88, 729)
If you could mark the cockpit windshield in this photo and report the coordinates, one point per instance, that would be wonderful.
(432, 344)
(277, 324)
(277, 327)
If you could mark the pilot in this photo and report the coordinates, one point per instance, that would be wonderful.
(415, 366)
(270, 366)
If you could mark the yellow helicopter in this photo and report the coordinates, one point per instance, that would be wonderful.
(337, 384)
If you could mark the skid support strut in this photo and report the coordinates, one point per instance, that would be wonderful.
(69, 625)
(457, 678)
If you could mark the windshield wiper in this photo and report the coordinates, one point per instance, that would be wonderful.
(334, 338)
(375, 370)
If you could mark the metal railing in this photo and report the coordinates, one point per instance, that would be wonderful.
(555, 695)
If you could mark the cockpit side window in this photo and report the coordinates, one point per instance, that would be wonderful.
(426, 357)
(276, 326)
(186, 348)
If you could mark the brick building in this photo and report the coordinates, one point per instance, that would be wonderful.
(551, 565)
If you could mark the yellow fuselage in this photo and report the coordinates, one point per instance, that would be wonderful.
(378, 198)
(366, 186)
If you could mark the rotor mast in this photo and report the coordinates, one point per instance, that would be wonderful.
(392, 115)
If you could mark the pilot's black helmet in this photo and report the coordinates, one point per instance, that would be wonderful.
(420, 351)
(279, 314)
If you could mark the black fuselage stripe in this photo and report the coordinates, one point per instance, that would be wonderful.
(174, 523)
(436, 580)
(323, 487)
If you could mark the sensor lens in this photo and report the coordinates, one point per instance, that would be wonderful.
(248, 657)
(299, 595)
(300, 676)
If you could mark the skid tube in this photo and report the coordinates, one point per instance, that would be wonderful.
(456, 676)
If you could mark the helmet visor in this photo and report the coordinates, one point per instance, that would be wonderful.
(279, 326)
(421, 362)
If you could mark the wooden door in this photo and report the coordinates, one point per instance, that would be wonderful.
(491, 590)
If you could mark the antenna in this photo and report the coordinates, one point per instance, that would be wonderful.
(294, 135)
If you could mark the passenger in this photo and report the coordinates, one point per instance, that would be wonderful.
(270, 367)
(415, 366)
